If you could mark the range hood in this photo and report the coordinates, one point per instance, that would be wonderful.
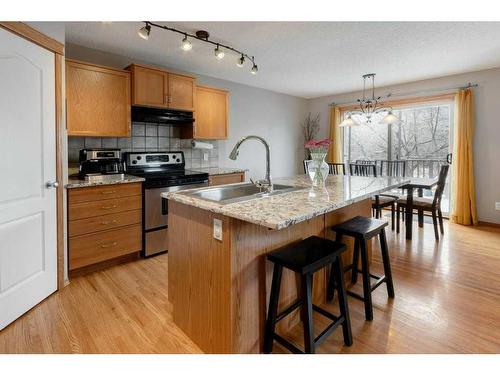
(162, 116)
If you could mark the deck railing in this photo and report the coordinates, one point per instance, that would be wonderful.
(421, 168)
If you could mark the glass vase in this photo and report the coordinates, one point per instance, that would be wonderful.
(317, 168)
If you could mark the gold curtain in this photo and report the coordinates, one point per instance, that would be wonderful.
(463, 190)
(335, 154)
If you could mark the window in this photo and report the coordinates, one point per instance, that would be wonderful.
(423, 138)
(423, 134)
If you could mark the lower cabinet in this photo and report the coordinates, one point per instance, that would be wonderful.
(229, 178)
(104, 222)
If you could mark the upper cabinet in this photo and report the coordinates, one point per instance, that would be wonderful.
(211, 114)
(153, 87)
(98, 100)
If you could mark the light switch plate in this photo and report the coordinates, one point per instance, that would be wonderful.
(497, 206)
(218, 229)
(205, 157)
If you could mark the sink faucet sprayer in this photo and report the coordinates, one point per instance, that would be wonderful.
(265, 183)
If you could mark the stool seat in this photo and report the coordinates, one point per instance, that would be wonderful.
(308, 255)
(365, 227)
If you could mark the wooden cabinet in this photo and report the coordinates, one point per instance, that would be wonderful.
(97, 100)
(153, 87)
(211, 113)
(229, 178)
(104, 222)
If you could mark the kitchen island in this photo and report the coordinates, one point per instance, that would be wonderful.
(219, 288)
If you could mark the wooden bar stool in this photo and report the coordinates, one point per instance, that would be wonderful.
(363, 229)
(306, 257)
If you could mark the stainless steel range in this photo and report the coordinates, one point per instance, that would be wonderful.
(163, 172)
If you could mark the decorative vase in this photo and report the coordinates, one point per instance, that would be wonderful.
(317, 168)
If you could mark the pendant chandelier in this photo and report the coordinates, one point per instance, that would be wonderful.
(370, 106)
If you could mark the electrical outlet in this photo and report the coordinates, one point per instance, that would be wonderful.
(205, 156)
(497, 206)
(218, 229)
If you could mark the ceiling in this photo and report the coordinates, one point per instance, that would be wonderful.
(308, 59)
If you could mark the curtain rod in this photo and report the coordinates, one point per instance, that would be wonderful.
(390, 95)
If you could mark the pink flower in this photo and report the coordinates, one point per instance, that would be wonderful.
(316, 144)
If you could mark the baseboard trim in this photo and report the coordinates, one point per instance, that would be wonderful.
(488, 224)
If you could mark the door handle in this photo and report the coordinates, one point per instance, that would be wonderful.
(108, 207)
(51, 184)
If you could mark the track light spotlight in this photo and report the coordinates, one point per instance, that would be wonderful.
(219, 53)
(240, 61)
(186, 44)
(145, 31)
(254, 69)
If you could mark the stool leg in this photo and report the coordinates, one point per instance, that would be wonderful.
(330, 288)
(273, 309)
(387, 264)
(355, 261)
(307, 313)
(367, 293)
(393, 214)
(344, 309)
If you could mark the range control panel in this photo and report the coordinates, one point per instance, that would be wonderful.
(151, 159)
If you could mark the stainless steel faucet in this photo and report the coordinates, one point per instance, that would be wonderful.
(266, 183)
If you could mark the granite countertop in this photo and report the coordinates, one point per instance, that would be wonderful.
(75, 182)
(213, 171)
(283, 210)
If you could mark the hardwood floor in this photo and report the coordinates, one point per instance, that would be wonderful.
(447, 301)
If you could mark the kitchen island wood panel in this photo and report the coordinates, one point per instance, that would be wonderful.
(220, 289)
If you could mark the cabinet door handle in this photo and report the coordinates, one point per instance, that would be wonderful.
(109, 207)
(108, 192)
(108, 222)
(109, 245)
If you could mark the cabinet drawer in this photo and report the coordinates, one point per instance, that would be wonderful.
(96, 193)
(104, 222)
(93, 248)
(103, 207)
(223, 179)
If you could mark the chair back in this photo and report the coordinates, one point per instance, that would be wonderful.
(304, 163)
(336, 168)
(356, 169)
(443, 173)
(393, 168)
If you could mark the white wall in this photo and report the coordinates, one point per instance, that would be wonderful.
(487, 133)
(276, 117)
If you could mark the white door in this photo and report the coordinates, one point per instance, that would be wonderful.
(28, 255)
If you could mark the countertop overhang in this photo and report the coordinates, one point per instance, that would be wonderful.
(74, 182)
(283, 210)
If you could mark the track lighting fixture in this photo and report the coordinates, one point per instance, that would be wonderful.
(219, 53)
(203, 36)
(186, 44)
(145, 31)
(240, 61)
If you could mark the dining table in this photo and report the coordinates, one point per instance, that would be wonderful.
(419, 184)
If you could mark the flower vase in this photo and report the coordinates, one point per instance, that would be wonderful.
(317, 168)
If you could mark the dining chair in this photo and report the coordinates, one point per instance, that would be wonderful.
(363, 169)
(379, 201)
(336, 168)
(432, 205)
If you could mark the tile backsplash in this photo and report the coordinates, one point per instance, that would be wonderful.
(148, 137)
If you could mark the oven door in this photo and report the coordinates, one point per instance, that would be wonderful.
(156, 208)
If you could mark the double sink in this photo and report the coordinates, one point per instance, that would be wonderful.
(238, 192)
